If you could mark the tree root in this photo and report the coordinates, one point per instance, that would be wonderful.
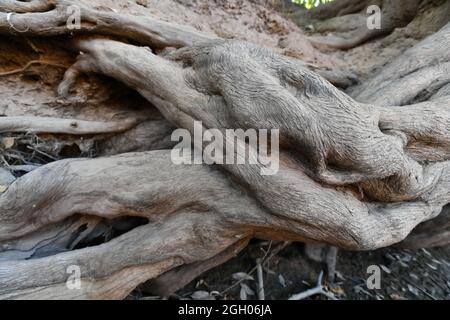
(394, 14)
(66, 126)
(433, 233)
(144, 30)
(208, 216)
(18, 220)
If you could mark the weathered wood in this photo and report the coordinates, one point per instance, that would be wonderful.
(57, 125)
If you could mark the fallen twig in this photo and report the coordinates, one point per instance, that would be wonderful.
(319, 289)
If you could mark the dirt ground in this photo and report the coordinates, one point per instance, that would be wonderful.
(405, 274)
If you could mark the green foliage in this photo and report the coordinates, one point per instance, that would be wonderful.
(308, 4)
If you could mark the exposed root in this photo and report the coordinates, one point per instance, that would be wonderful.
(31, 63)
(100, 196)
(66, 126)
(145, 30)
(394, 14)
(173, 280)
(148, 135)
(336, 156)
(26, 6)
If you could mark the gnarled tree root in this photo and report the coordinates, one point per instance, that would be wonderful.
(344, 157)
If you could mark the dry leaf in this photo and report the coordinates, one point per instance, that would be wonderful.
(8, 142)
(3, 188)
